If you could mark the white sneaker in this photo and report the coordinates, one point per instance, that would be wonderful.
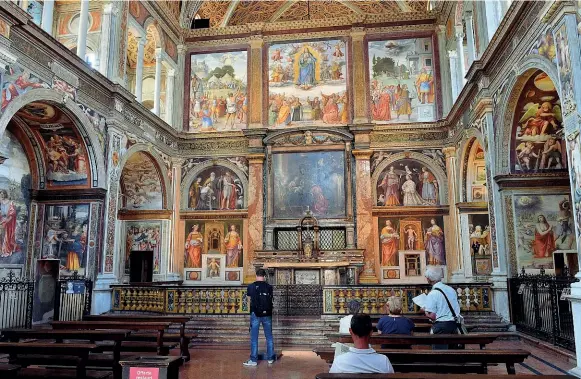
(250, 363)
(270, 361)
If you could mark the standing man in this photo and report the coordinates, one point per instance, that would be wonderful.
(260, 297)
(442, 305)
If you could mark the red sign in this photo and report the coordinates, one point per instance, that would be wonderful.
(143, 373)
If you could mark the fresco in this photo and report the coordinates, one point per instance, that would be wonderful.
(574, 155)
(216, 188)
(480, 243)
(141, 184)
(17, 81)
(402, 80)
(307, 83)
(15, 183)
(143, 236)
(407, 183)
(65, 236)
(309, 181)
(66, 158)
(565, 67)
(543, 225)
(421, 234)
(213, 237)
(218, 98)
(545, 46)
(538, 143)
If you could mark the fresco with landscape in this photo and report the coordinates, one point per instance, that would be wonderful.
(407, 182)
(218, 98)
(141, 183)
(15, 182)
(543, 225)
(213, 237)
(143, 236)
(307, 83)
(402, 80)
(216, 188)
(309, 181)
(537, 143)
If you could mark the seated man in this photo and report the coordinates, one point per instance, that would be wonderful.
(361, 359)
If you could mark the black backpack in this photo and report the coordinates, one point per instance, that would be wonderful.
(262, 300)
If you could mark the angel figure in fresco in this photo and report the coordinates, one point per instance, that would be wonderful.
(524, 153)
(338, 53)
(390, 186)
(551, 151)
(194, 247)
(233, 246)
(435, 244)
(537, 119)
(389, 244)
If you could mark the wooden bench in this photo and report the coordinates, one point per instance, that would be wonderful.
(434, 376)
(8, 371)
(182, 338)
(418, 327)
(426, 339)
(159, 327)
(457, 361)
(94, 360)
(78, 350)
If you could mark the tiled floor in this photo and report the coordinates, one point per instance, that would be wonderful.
(226, 363)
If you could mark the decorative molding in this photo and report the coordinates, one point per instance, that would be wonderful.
(476, 206)
(539, 180)
(160, 214)
(64, 73)
(213, 215)
(443, 210)
(214, 145)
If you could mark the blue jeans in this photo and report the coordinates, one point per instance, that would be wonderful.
(255, 330)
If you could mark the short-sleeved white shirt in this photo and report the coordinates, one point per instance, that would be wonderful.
(345, 324)
(436, 303)
(361, 361)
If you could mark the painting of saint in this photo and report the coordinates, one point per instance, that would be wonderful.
(233, 245)
(18, 81)
(409, 183)
(213, 268)
(402, 80)
(389, 244)
(141, 184)
(143, 236)
(538, 143)
(313, 181)
(434, 242)
(390, 185)
(216, 188)
(307, 84)
(15, 181)
(218, 99)
(66, 235)
(194, 243)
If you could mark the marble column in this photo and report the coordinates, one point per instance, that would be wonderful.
(47, 16)
(157, 88)
(139, 69)
(176, 262)
(180, 89)
(454, 258)
(446, 80)
(82, 32)
(169, 95)
(470, 43)
(364, 204)
(255, 85)
(452, 58)
(358, 77)
(255, 219)
(460, 57)
(107, 38)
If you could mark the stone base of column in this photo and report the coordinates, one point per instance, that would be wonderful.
(500, 297)
(575, 299)
(367, 278)
(101, 301)
(173, 276)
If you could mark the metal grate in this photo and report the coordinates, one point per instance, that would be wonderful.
(286, 239)
(298, 300)
(73, 298)
(16, 295)
(330, 238)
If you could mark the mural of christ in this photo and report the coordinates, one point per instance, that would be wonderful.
(306, 69)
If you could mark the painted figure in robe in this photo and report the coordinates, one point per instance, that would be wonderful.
(435, 244)
(306, 69)
(544, 242)
(233, 247)
(7, 224)
(410, 195)
(424, 83)
(194, 247)
(429, 186)
(390, 184)
(389, 244)
(320, 203)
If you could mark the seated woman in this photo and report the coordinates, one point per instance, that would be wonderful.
(394, 322)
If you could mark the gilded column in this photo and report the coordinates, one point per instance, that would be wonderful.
(358, 79)
(454, 259)
(255, 75)
(176, 260)
(255, 220)
(364, 204)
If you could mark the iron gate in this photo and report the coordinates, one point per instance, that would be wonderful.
(16, 294)
(538, 308)
(298, 300)
(72, 298)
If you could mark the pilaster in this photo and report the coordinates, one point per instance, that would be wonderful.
(182, 76)
(107, 39)
(255, 218)
(358, 77)
(255, 84)
(175, 266)
(445, 79)
(454, 258)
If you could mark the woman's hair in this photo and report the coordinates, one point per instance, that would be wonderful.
(395, 305)
(353, 307)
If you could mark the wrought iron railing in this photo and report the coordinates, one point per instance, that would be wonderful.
(73, 298)
(298, 300)
(539, 308)
(16, 296)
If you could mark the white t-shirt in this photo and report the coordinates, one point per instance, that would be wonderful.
(436, 303)
(361, 361)
(345, 324)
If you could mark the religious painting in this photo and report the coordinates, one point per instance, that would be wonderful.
(143, 236)
(574, 155)
(4, 29)
(218, 97)
(45, 282)
(479, 241)
(543, 225)
(313, 182)
(138, 11)
(65, 236)
(545, 46)
(307, 83)
(565, 67)
(213, 267)
(141, 184)
(411, 236)
(222, 238)
(407, 182)
(216, 188)
(402, 80)
(480, 174)
(538, 143)
(15, 184)
(18, 81)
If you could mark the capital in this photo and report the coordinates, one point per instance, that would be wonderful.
(140, 41)
(255, 158)
(362, 154)
(449, 152)
(182, 49)
(357, 33)
(441, 29)
(256, 42)
(459, 31)
(158, 53)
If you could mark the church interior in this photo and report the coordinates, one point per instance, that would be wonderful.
(155, 154)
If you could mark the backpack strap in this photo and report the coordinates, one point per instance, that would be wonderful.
(448, 302)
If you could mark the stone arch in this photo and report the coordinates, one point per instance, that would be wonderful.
(503, 132)
(83, 124)
(473, 136)
(428, 162)
(160, 166)
(33, 152)
(194, 172)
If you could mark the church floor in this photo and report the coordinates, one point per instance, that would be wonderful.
(224, 362)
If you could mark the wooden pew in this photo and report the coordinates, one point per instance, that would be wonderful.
(181, 337)
(424, 339)
(160, 347)
(418, 327)
(79, 350)
(458, 361)
(94, 360)
(8, 371)
(434, 376)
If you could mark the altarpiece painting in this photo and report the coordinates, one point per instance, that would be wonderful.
(407, 182)
(220, 238)
(216, 188)
(143, 236)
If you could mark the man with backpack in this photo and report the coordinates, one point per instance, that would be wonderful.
(260, 298)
